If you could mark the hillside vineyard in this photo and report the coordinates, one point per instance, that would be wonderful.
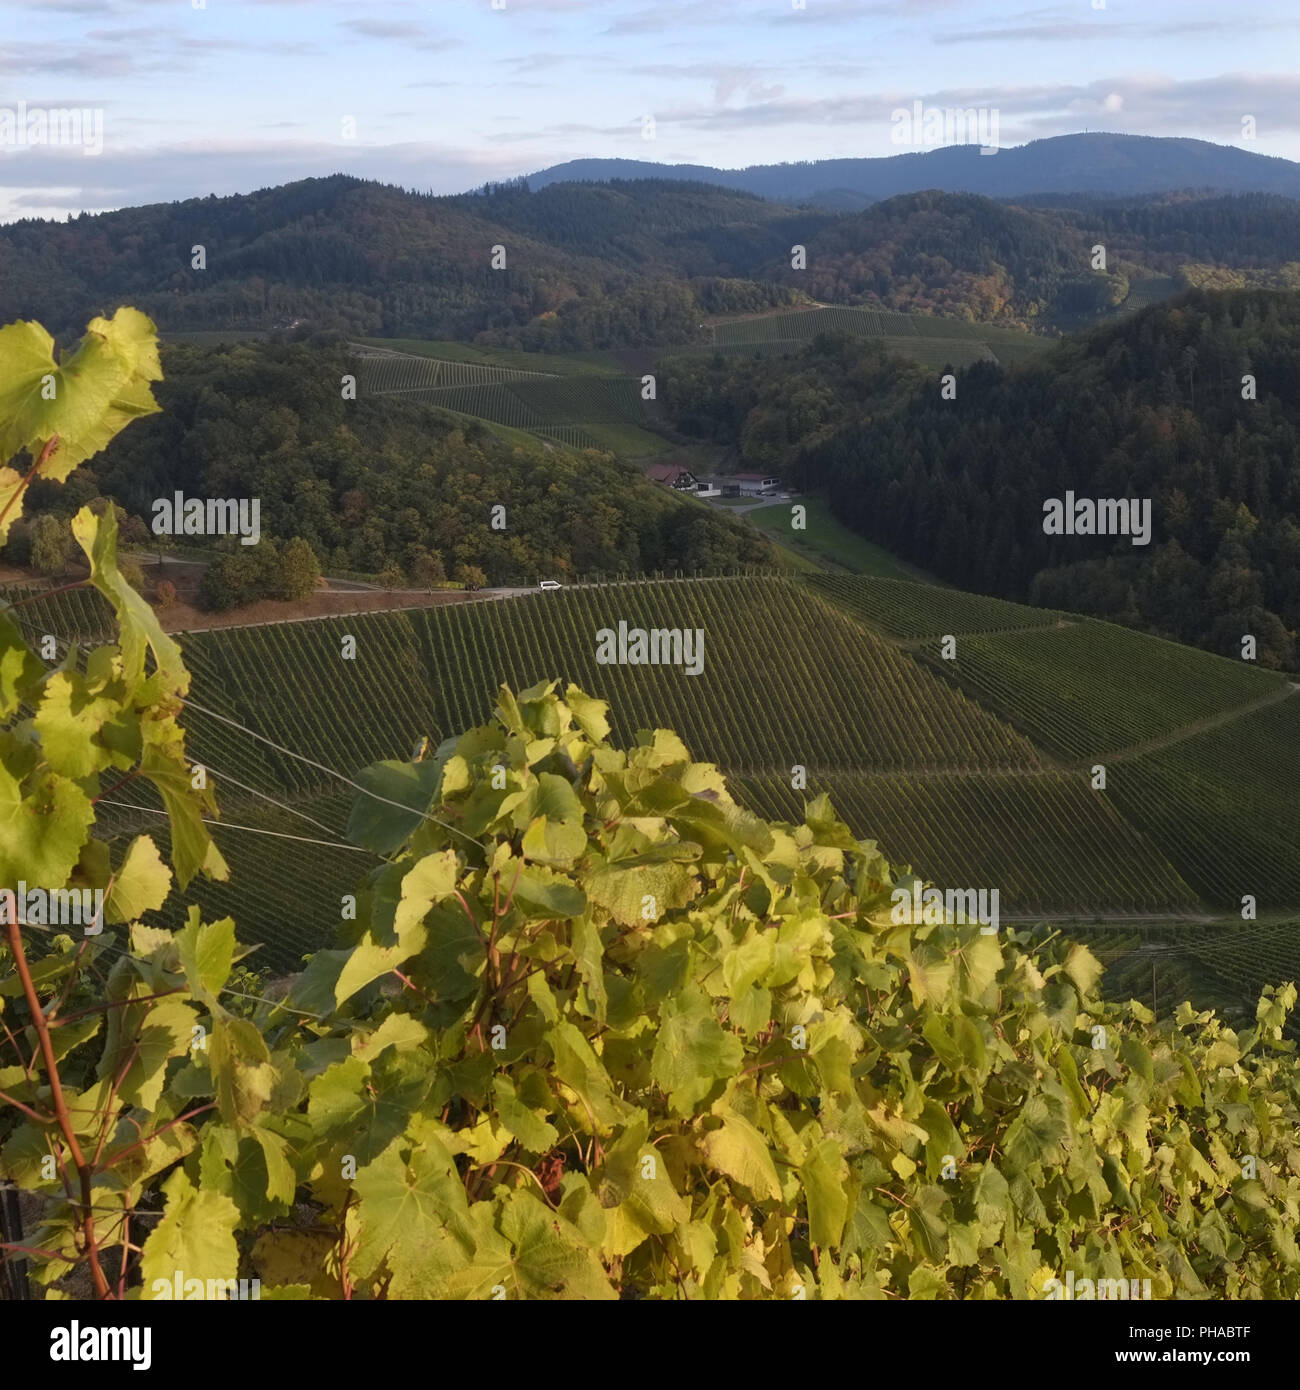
(645, 660)
(1004, 797)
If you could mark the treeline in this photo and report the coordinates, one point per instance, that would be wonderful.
(1149, 408)
(379, 484)
(624, 264)
(1246, 230)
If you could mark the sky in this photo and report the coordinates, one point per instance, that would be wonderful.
(184, 98)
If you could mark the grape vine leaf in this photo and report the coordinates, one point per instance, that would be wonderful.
(195, 1235)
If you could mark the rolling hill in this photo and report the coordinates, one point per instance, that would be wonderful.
(1097, 162)
(596, 266)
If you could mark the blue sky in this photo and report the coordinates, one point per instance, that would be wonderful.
(241, 94)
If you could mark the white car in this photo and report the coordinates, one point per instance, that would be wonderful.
(550, 584)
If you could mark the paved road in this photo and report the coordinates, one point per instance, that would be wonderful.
(754, 506)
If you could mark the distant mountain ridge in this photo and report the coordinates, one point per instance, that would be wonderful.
(1097, 162)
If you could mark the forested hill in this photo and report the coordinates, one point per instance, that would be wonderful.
(379, 482)
(1149, 408)
(1249, 230)
(620, 266)
(966, 256)
(1101, 162)
(615, 265)
(953, 254)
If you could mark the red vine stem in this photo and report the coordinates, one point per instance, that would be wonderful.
(50, 445)
(56, 1092)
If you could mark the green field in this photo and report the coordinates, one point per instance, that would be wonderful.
(563, 409)
(934, 342)
(552, 363)
(828, 542)
(628, 441)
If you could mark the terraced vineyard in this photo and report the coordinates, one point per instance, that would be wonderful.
(1222, 806)
(80, 614)
(1224, 966)
(496, 402)
(291, 888)
(386, 372)
(1246, 958)
(553, 406)
(597, 399)
(914, 757)
(768, 347)
(808, 323)
(528, 363)
(290, 682)
(1042, 841)
(571, 436)
(909, 610)
(940, 352)
(1090, 688)
(1151, 290)
(934, 342)
(868, 706)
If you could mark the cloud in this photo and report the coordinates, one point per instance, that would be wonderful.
(1061, 25)
(854, 11)
(59, 181)
(29, 58)
(727, 80)
(414, 35)
(673, 15)
(1210, 107)
(1060, 32)
(547, 62)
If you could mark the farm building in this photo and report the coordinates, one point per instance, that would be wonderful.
(748, 484)
(673, 475)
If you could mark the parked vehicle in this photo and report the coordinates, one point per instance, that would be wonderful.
(550, 584)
